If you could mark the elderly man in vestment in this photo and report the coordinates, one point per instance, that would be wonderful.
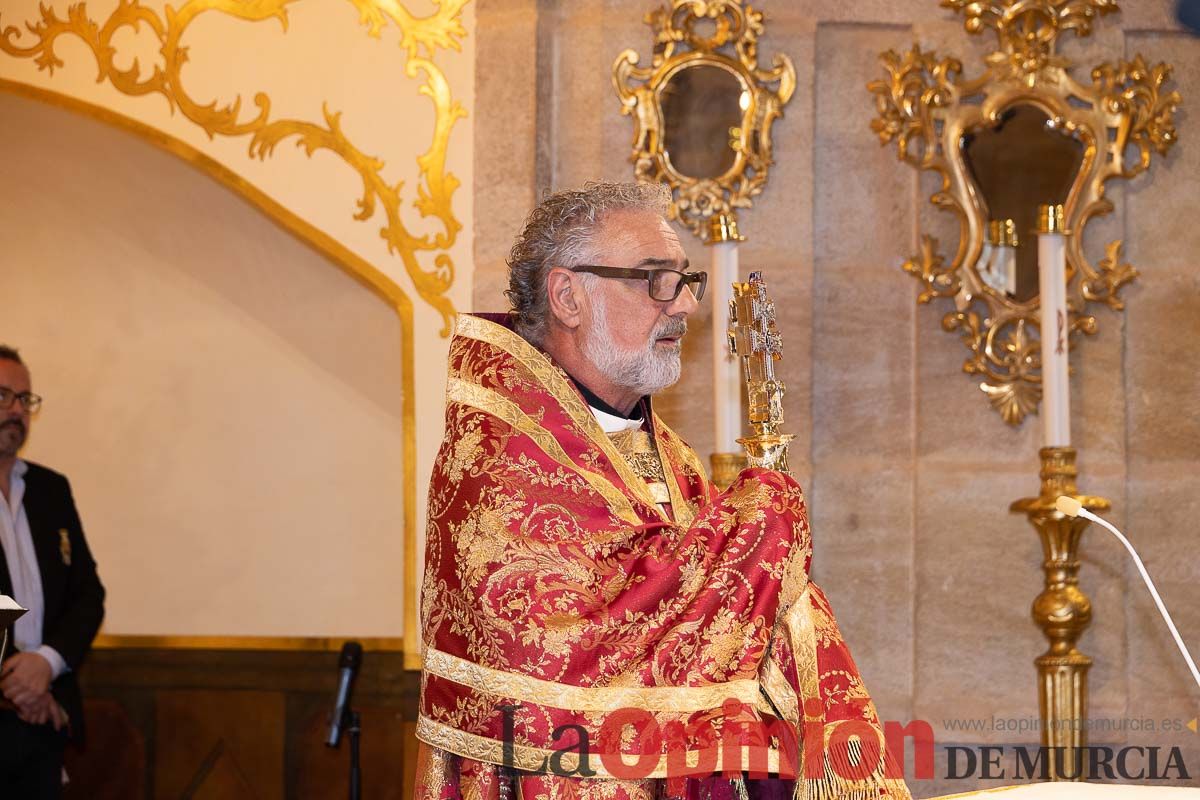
(598, 619)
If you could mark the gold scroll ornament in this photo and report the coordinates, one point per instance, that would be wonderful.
(108, 37)
(754, 336)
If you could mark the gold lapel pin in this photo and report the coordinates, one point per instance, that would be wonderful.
(64, 545)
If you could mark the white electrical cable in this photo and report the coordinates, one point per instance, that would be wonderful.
(1073, 508)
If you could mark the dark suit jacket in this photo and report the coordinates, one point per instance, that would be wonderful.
(73, 594)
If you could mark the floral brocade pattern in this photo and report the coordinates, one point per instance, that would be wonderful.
(556, 587)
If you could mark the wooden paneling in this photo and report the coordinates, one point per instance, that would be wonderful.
(113, 766)
(219, 743)
(198, 724)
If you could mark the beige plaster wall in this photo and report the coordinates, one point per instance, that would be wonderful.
(225, 400)
(305, 59)
(381, 88)
(909, 474)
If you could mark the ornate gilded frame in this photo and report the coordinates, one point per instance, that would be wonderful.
(678, 46)
(926, 105)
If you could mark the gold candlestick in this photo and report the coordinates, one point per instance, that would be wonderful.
(1062, 610)
(725, 467)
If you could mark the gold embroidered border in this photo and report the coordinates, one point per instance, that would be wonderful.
(781, 692)
(681, 699)
(536, 759)
(803, 637)
(666, 438)
(489, 402)
(832, 785)
(547, 374)
(689, 455)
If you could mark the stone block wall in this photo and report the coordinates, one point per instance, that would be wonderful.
(909, 474)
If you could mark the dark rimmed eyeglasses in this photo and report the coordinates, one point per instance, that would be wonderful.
(664, 285)
(28, 400)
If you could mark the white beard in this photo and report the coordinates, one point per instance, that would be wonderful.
(645, 371)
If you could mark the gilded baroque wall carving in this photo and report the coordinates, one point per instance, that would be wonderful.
(425, 257)
(680, 44)
(926, 105)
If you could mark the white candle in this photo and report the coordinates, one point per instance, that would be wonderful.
(1009, 270)
(1052, 294)
(727, 377)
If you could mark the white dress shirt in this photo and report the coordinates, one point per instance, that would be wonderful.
(610, 423)
(17, 541)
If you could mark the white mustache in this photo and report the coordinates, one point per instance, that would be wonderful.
(670, 330)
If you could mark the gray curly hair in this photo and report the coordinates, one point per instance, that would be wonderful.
(559, 233)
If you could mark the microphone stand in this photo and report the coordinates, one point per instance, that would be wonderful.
(344, 718)
(352, 725)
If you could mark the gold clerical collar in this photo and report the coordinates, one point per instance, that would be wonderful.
(638, 450)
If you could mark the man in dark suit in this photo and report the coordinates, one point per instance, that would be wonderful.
(45, 565)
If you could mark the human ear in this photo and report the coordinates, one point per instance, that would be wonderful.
(563, 291)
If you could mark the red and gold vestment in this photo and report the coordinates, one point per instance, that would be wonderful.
(571, 624)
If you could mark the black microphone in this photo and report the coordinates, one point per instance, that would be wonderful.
(348, 664)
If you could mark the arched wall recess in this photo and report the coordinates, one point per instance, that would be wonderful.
(421, 242)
